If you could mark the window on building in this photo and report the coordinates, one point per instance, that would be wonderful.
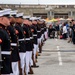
(48, 12)
(73, 13)
(61, 15)
(42, 15)
(69, 13)
(70, 6)
(52, 13)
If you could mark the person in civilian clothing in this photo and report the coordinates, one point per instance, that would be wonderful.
(64, 31)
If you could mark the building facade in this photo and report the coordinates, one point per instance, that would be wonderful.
(44, 11)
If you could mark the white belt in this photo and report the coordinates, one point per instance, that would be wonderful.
(6, 52)
(13, 44)
(31, 37)
(35, 35)
(21, 40)
(27, 38)
(42, 28)
(38, 31)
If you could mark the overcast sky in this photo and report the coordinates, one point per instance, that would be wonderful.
(37, 2)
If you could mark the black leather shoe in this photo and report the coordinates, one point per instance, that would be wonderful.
(30, 73)
(35, 66)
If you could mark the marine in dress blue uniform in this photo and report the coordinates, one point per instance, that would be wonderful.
(5, 46)
(27, 33)
(21, 39)
(34, 31)
(14, 45)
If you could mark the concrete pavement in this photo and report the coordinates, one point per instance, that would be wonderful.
(57, 58)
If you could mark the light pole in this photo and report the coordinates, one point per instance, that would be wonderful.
(38, 2)
(49, 8)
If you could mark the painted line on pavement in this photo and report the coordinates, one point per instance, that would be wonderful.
(55, 39)
(59, 56)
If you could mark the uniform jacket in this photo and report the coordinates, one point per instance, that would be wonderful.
(14, 46)
(22, 47)
(5, 51)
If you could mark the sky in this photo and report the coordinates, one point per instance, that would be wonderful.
(71, 2)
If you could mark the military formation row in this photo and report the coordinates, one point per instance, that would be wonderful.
(21, 39)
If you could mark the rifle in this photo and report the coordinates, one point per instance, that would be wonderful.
(0, 60)
(22, 30)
